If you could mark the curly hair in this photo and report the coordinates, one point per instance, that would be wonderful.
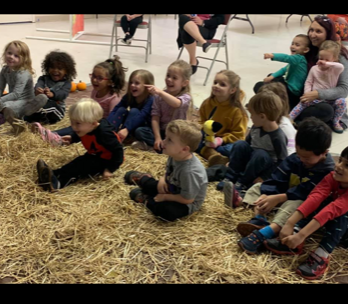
(62, 59)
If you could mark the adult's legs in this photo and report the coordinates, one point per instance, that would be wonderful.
(133, 24)
(322, 111)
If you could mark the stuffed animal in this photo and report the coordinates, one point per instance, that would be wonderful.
(210, 127)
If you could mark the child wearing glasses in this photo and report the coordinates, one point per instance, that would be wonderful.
(108, 79)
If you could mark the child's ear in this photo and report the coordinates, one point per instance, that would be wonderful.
(232, 91)
(185, 83)
(186, 149)
(306, 50)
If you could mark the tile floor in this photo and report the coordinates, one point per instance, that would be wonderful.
(246, 50)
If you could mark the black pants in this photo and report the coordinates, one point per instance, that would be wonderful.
(49, 114)
(293, 99)
(130, 26)
(323, 111)
(169, 211)
(185, 38)
(80, 167)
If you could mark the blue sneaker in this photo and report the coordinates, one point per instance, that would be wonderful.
(245, 228)
(251, 243)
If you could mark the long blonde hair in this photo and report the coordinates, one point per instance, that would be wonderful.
(237, 97)
(24, 55)
(186, 73)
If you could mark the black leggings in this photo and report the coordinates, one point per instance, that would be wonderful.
(323, 111)
(130, 26)
(49, 114)
(169, 211)
(186, 38)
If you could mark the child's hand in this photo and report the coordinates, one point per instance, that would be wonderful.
(309, 96)
(39, 91)
(293, 241)
(268, 56)
(268, 79)
(321, 63)
(153, 90)
(66, 140)
(162, 186)
(158, 146)
(159, 198)
(48, 93)
(266, 204)
(286, 231)
(218, 141)
(123, 134)
(107, 174)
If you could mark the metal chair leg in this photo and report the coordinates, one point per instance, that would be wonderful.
(112, 40)
(287, 19)
(180, 53)
(212, 64)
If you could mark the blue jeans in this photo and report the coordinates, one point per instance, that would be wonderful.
(224, 150)
(247, 163)
(123, 117)
(146, 135)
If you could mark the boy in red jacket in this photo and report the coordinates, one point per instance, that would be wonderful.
(327, 205)
(104, 151)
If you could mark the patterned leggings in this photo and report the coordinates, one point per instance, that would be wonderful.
(339, 106)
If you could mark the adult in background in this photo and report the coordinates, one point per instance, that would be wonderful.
(195, 28)
(322, 29)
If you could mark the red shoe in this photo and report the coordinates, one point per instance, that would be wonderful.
(314, 267)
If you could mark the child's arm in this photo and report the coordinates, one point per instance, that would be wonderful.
(155, 122)
(111, 143)
(280, 143)
(171, 100)
(266, 203)
(335, 67)
(203, 116)
(62, 93)
(2, 83)
(237, 129)
(114, 102)
(20, 84)
(40, 86)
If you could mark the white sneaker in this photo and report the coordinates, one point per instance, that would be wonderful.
(140, 145)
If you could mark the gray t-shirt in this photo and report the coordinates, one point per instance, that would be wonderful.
(189, 179)
(21, 85)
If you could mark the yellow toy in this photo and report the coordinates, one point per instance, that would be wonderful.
(210, 127)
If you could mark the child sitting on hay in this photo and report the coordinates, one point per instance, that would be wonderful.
(104, 151)
(289, 186)
(327, 206)
(183, 188)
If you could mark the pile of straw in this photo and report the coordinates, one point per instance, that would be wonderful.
(91, 232)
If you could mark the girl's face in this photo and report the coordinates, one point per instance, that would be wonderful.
(57, 71)
(317, 34)
(341, 171)
(100, 79)
(12, 58)
(174, 81)
(299, 46)
(221, 88)
(136, 86)
(327, 56)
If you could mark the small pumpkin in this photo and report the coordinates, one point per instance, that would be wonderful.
(81, 86)
(73, 87)
(5, 92)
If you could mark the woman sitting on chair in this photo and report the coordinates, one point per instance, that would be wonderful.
(129, 24)
(195, 28)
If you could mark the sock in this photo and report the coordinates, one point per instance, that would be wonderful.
(261, 217)
(322, 253)
(267, 232)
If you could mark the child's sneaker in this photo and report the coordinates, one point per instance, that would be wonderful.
(232, 198)
(138, 196)
(134, 177)
(51, 137)
(217, 159)
(276, 246)
(18, 126)
(314, 267)
(47, 180)
(251, 243)
(337, 128)
(245, 228)
(140, 145)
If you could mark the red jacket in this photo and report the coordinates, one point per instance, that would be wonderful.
(337, 208)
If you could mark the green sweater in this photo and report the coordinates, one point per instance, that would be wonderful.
(295, 73)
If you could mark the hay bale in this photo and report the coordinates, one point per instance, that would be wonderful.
(91, 232)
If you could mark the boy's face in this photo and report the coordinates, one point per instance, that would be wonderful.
(83, 128)
(172, 145)
(258, 119)
(299, 46)
(341, 171)
(308, 158)
(57, 72)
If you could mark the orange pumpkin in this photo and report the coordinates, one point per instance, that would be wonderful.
(81, 86)
(5, 92)
(73, 87)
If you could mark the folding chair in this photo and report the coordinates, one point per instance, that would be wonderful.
(302, 15)
(216, 43)
(245, 19)
(143, 25)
